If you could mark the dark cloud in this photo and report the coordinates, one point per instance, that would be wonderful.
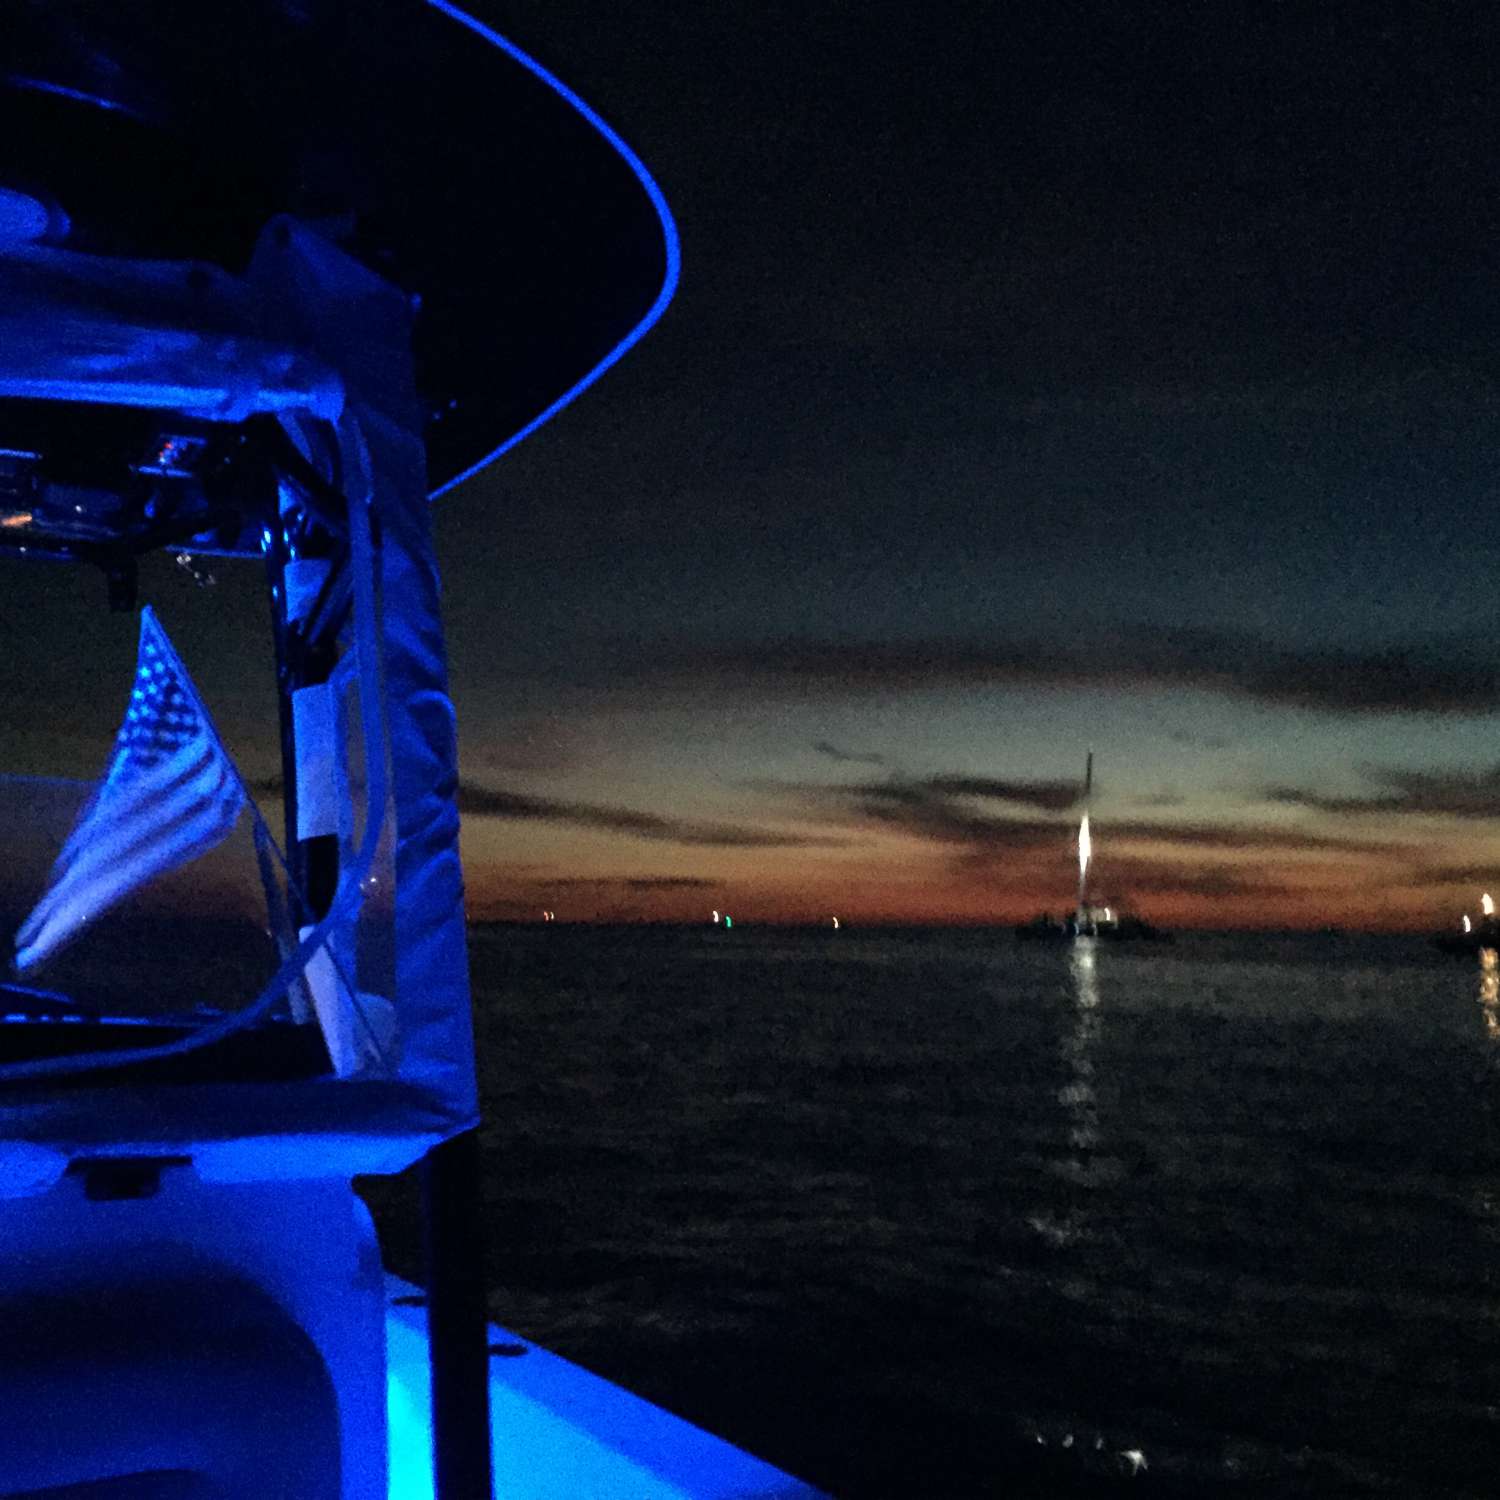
(1133, 878)
(941, 810)
(938, 808)
(1474, 876)
(1235, 837)
(847, 757)
(1045, 796)
(1458, 794)
(1438, 675)
(1040, 796)
(926, 811)
(489, 802)
(1418, 681)
(499, 908)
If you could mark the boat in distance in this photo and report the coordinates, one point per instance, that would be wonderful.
(1089, 918)
(1472, 935)
(1104, 923)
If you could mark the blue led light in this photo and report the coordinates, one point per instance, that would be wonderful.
(45, 86)
(658, 201)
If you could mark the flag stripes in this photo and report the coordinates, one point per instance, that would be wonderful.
(170, 794)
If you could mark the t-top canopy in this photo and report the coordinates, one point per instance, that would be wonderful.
(394, 922)
(535, 242)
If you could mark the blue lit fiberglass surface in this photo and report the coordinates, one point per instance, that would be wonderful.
(174, 133)
(561, 1433)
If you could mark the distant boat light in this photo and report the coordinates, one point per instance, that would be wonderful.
(1468, 925)
(717, 919)
(1487, 904)
(835, 924)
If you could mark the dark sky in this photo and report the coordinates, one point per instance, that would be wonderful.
(1041, 377)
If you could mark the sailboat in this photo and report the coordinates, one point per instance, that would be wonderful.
(1473, 934)
(271, 278)
(1091, 919)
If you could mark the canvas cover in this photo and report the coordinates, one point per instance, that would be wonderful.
(308, 308)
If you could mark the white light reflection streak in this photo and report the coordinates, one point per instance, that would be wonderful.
(1489, 992)
(1079, 1046)
(1486, 1198)
(1078, 1165)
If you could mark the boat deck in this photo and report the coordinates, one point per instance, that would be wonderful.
(561, 1433)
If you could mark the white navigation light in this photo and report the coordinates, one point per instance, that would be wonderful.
(1468, 925)
(1487, 904)
(1085, 847)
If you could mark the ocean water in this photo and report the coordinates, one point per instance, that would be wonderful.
(937, 1214)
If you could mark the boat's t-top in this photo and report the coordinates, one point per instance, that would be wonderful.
(271, 275)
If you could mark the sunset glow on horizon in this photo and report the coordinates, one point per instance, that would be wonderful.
(1065, 416)
(1187, 835)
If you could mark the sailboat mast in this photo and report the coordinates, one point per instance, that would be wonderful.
(1085, 842)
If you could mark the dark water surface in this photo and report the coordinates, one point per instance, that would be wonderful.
(937, 1214)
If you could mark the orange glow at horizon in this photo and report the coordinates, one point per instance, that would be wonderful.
(1179, 893)
(628, 842)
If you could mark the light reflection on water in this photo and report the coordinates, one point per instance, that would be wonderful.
(1231, 1205)
(1079, 1157)
(1090, 1171)
(1489, 991)
(1080, 1046)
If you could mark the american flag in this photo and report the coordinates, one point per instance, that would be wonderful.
(170, 793)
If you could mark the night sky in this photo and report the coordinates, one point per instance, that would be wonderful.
(1041, 378)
